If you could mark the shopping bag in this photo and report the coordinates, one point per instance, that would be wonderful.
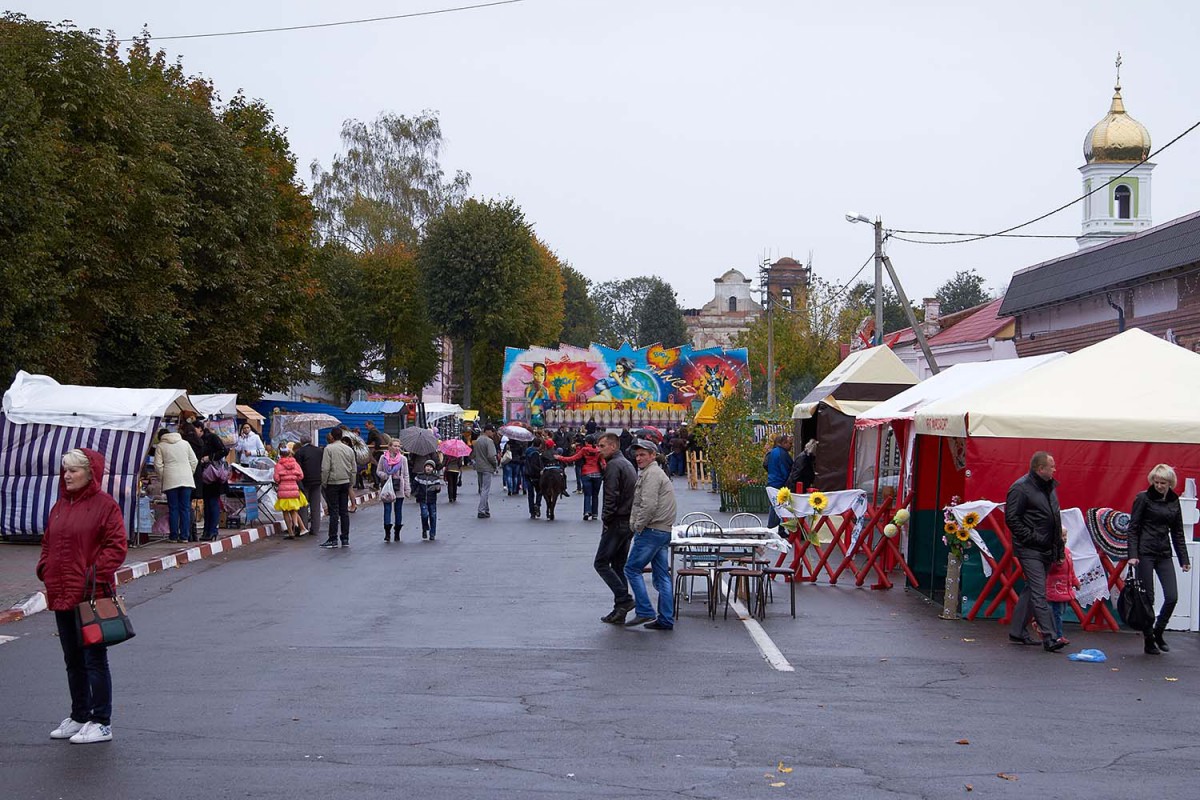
(102, 621)
(215, 472)
(387, 492)
(1134, 603)
(1094, 656)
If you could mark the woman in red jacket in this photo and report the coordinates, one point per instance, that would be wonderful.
(288, 498)
(593, 475)
(85, 532)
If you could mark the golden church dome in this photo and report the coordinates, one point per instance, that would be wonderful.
(1118, 137)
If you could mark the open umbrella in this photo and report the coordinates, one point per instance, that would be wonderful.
(418, 441)
(650, 432)
(518, 432)
(455, 448)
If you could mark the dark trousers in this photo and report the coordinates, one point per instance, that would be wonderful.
(610, 558)
(1032, 602)
(579, 476)
(1147, 568)
(87, 673)
(452, 479)
(338, 498)
(429, 518)
(310, 515)
(533, 496)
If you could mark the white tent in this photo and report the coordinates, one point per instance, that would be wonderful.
(1133, 387)
(859, 383)
(954, 381)
(215, 405)
(43, 419)
(435, 411)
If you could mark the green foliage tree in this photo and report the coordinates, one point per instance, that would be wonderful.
(660, 319)
(619, 304)
(733, 453)
(489, 282)
(140, 221)
(965, 290)
(581, 318)
(387, 184)
(861, 301)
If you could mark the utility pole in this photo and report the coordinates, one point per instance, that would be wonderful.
(877, 339)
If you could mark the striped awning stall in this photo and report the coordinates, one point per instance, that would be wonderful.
(30, 458)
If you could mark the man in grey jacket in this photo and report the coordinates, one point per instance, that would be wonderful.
(620, 478)
(483, 458)
(338, 468)
(652, 519)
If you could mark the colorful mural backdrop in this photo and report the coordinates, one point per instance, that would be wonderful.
(654, 378)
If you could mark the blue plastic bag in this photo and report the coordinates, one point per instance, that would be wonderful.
(1096, 656)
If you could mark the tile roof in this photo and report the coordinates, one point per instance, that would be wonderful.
(978, 327)
(1121, 262)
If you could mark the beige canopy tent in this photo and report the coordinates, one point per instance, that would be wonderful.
(827, 413)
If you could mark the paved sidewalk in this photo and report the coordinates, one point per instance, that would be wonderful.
(21, 593)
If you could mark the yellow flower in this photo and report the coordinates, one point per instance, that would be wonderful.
(971, 519)
(890, 530)
(818, 501)
(902, 516)
(962, 534)
(783, 497)
(951, 528)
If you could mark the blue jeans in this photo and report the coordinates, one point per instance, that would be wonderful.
(591, 493)
(387, 512)
(429, 518)
(532, 495)
(651, 547)
(677, 463)
(1056, 610)
(579, 476)
(179, 512)
(212, 515)
(512, 477)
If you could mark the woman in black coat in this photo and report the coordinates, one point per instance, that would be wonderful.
(212, 451)
(1155, 525)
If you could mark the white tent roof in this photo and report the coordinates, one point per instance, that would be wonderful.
(41, 400)
(1133, 387)
(215, 404)
(953, 381)
(875, 365)
(435, 411)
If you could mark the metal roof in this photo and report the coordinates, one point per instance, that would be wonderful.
(375, 407)
(1121, 262)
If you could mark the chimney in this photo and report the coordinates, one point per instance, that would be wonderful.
(933, 308)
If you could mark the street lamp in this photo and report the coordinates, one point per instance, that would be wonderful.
(851, 217)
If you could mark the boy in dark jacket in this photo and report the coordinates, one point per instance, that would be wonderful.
(427, 484)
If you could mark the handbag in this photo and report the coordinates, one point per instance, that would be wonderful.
(506, 458)
(1134, 603)
(102, 621)
(215, 472)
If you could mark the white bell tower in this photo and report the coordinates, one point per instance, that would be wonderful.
(1114, 145)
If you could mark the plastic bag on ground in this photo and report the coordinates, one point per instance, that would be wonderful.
(1096, 656)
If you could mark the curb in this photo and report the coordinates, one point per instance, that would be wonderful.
(36, 602)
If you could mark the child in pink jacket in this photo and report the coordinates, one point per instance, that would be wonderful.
(1061, 584)
(289, 498)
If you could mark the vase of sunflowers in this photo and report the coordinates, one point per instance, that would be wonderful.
(806, 505)
(957, 537)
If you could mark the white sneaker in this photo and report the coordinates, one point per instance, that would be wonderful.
(93, 732)
(66, 729)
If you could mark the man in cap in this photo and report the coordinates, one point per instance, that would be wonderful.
(651, 521)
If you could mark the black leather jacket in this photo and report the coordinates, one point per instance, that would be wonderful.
(1155, 524)
(1033, 516)
(620, 480)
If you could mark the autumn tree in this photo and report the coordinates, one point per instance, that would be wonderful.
(490, 283)
(619, 303)
(965, 290)
(581, 318)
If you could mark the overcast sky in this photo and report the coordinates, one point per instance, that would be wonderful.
(681, 138)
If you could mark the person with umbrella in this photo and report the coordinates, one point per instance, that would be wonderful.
(453, 450)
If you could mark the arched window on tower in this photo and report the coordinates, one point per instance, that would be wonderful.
(785, 296)
(733, 304)
(1123, 197)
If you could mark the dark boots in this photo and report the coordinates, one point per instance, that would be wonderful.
(1151, 643)
(387, 533)
(1158, 640)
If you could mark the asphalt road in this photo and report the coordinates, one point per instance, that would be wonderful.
(476, 667)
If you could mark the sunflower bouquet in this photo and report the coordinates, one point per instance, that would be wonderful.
(817, 503)
(957, 535)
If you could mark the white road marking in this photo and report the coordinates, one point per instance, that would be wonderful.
(766, 646)
(7, 639)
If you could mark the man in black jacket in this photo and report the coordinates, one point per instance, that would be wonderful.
(308, 456)
(620, 480)
(1032, 514)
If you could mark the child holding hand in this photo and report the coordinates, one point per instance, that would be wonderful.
(1061, 584)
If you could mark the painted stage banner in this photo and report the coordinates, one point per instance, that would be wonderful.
(543, 385)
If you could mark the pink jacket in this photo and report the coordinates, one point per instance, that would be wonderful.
(1061, 582)
(288, 474)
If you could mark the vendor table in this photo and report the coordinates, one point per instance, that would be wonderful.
(729, 543)
(263, 481)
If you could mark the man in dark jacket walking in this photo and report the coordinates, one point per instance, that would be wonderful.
(620, 481)
(1032, 514)
(308, 456)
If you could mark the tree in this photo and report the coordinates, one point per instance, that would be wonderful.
(660, 318)
(861, 300)
(964, 290)
(619, 304)
(490, 282)
(387, 184)
(581, 318)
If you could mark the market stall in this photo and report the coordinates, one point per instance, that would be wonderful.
(1105, 433)
(42, 419)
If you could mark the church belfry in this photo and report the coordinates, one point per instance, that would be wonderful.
(1112, 146)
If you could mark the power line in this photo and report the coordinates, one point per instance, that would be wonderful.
(330, 24)
(846, 286)
(890, 232)
(978, 237)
